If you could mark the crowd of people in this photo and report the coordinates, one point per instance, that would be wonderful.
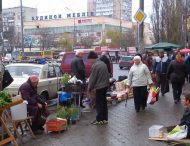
(146, 71)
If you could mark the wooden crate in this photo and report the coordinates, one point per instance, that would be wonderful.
(57, 125)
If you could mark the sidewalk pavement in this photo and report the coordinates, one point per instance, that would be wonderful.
(125, 127)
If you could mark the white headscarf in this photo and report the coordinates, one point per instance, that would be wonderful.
(137, 58)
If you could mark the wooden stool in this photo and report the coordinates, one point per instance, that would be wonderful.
(26, 121)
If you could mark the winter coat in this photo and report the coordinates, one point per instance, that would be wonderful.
(161, 65)
(105, 59)
(99, 76)
(185, 120)
(78, 68)
(177, 72)
(187, 62)
(28, 92)
(139, 75)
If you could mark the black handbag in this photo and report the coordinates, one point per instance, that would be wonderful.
(7, 79)
(41, 99)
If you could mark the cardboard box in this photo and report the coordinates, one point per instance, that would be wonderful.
(156, 131)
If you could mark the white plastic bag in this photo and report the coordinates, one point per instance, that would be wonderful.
(179, 132)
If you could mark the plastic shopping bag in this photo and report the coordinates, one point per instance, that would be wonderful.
(152, 95)
(179, 132)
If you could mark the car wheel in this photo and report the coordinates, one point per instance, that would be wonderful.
(46, 95)
(121, 67)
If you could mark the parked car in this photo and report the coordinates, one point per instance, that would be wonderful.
(126, 61)
(49, 77)
(68, 57)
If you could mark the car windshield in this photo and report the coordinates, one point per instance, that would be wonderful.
(126, 58)
(23, 71)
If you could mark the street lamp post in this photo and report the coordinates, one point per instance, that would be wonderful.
(21, 20)
(74, 31)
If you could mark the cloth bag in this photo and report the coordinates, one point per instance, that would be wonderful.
(7, 79)
(179, 132)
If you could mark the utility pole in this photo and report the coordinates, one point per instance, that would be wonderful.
(1, 46)
(141, 27)
(120, 27)
(22, 36)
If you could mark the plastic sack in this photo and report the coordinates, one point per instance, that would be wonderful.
(179, 132)
(64, 96)
(152, 95)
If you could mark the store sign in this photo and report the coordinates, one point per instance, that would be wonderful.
(47, 17)
(60, 16)
(82, 21)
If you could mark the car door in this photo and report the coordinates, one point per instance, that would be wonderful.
(59, 75)
(52, 81)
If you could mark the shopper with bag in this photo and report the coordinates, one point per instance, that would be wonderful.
(177, 72)
(139, 77)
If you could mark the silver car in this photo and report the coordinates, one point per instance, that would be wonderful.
(49, 77)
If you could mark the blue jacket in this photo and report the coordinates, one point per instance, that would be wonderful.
(161, 65)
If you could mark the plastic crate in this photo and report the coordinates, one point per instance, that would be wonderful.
(56, 125)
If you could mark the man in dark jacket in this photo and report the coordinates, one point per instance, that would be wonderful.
(28, 91)
(99, 81)
(106, 60)
(77, 66)
(160, 69)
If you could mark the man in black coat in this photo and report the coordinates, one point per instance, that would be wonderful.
(106, 60)
(177, 73)
(78, 67)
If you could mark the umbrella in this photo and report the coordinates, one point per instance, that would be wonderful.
(163, 45)
(185, 50)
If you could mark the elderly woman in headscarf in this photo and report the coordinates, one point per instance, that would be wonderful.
(177, 73)
(28, 91)
(139, 77)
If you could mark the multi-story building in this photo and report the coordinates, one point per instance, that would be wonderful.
(120, 9)
(12, 16)
(93, 26)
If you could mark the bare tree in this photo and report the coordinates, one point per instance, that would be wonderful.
(87, 41)
(166, 21)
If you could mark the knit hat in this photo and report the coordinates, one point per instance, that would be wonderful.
(34, 78)
(92, 55)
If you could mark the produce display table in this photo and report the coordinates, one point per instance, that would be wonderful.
(182, 141)
(15, 101)
(76, 90)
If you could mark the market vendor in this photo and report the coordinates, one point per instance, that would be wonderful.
(28, 91)
(185, 120)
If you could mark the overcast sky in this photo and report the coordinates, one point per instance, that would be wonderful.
(58, 6)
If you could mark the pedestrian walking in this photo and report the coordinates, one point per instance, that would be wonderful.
(187, 62)
(139, 77)
(159, 70)
(177, 73)
(99, 81)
